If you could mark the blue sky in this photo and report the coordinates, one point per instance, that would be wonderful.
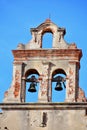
(18, 16)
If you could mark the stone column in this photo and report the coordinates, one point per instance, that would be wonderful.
(23, 84)
(44, 84)
(17, 80)
(23, 89)
(49, 90)
(73, 82)
(13, 93)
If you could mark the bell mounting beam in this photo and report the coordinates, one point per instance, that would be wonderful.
(58, 79)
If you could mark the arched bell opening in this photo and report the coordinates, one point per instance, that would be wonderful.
(47, 38)
(32, 85)
(58, 85)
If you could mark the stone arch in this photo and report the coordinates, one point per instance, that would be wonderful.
(47, 40)
(25, 85)
(47, 30)
(47, 27)
(58, 71)
(31, 71)
(58, 96)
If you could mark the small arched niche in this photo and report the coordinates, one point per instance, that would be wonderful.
(47, 39)
(32, 86)
(58, 85)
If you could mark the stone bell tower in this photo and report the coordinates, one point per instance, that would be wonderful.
(41, 67)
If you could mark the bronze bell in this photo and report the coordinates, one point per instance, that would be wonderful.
(32, 87)
(58, 86)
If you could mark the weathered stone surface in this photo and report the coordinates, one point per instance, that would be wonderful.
(30, 59)
(22, 116)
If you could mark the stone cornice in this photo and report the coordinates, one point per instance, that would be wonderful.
(44, 106)
(63, 53)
